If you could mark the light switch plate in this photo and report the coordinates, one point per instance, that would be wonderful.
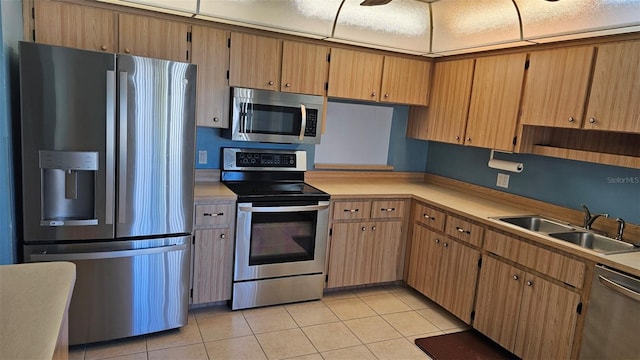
(202, 157)
(503, 180)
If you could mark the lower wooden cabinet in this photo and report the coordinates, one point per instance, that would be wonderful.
(212, 265)
(444, 270)
(528, 315)
(212, 250)
(365, 252)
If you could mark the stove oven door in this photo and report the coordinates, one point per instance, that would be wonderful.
(280, 239)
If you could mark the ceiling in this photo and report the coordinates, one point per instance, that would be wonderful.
(428, 27)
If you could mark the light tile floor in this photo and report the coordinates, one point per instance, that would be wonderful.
(369, 323)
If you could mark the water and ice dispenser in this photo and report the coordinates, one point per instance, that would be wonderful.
(68, 181)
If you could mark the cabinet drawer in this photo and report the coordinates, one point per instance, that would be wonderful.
(557, 266)
(351, 210)
(215, 214)
(464, 230)
(429, 216)
(387, 209)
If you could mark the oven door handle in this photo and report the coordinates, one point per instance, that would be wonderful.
(272, 209)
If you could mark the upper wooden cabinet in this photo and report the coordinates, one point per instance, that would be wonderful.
(355, 74)
(614, 102)
(372, 77)
(495, 100)
(556, 87)
(255, 61)
(151, 37)
(446, 118)
(210, 52)
(75, 26)
(405, 81)
(305, 68)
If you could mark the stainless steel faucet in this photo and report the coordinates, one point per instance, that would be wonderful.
(620, 228)
(589, 219)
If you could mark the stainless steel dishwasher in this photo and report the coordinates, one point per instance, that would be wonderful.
(612, 326)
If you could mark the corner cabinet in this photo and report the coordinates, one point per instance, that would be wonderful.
(441, 264)
(366, 243)
(75, 26)
(495, 101)
(405, 81)
(446, 118)
(213, 252)
(210, 52)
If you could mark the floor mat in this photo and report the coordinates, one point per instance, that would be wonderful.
(463, 345)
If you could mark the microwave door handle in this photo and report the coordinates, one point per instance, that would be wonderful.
(303, 122)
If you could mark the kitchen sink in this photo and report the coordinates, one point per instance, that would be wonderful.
(595, 242)
(537, 223)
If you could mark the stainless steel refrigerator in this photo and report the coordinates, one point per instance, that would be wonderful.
(107, 183)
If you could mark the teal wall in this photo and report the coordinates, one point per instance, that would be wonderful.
(11, 25)
(610, 189)
(405, 154)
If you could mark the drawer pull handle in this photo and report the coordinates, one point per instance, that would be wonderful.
(210, 214)
(426, 216)
(388, 209)
(463, 231)
(351, 210)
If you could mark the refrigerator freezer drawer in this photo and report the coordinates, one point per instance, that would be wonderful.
(133, 288)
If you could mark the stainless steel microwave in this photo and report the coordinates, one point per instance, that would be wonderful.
(269, 116)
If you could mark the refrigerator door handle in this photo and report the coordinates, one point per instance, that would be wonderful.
(122, 161)
(107, 254)
(110, 146)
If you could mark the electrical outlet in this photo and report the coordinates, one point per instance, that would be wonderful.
(503, 180)
(202, 157)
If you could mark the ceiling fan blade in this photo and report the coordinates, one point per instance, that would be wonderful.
(374, 2)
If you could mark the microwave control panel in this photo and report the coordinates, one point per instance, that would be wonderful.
(312, 122)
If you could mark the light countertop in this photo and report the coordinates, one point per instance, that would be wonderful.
(471, 206)
(34, 299)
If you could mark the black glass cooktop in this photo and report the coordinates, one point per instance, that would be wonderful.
(275, 191)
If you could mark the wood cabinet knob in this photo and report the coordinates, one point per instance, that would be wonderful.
(386, 95)
(103, 47)
(457, 138)
(592, 121)
(469, 139)
(445, 244)
(437, 241)
(271, 83)
(215, 119)
(287, 85)
(571, 119)
(529, 283)
(127, 50)
(515, 277)
(373, 93)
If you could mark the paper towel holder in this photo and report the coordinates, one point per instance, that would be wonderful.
(504, 165)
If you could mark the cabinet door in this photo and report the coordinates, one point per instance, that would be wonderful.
(556, 87)
(354, 75)
(345, 256)
(405, 81)
(385, 252)
(495, 98)
(305, 68)
(255, 61)
(498, 301)
(151, 37)
(446, 118)
(426, 252)
(212, 266)
(457, 279)
(210, 52)
(547, 321)
(614, 103)
(75, 26)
